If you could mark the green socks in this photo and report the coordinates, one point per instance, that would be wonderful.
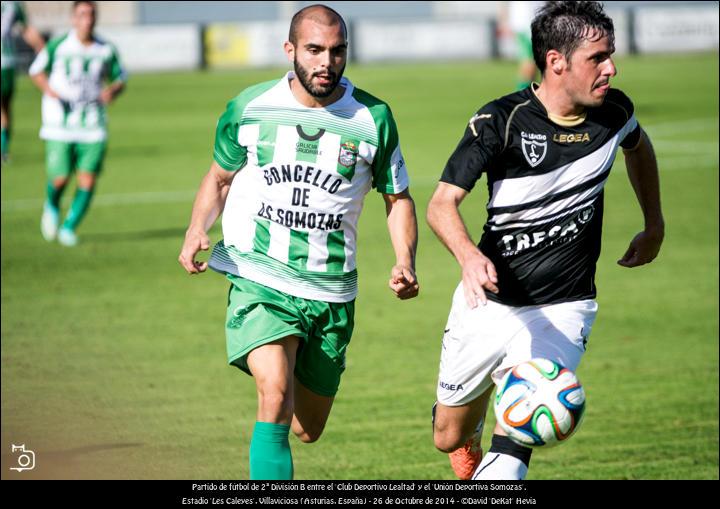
(270, 457)
(79, 207)
(53, 196)
(5, 141)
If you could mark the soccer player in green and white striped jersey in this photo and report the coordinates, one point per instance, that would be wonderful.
(71, 72)
(12, 15)
(293, 161)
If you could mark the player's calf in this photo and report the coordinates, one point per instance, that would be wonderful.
(308, 435)
(311, 413)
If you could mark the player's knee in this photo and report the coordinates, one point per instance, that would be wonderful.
(86, 180)
(60, 182)
(275, 402)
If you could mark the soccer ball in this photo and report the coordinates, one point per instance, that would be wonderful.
(539, 403)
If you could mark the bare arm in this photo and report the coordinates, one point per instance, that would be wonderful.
(33, 38)
(41, 81)
(443, 216)
(110, 92)
(209, 203)
(643, 174)
(402, 225)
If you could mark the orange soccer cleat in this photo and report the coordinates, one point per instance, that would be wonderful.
(466, 459)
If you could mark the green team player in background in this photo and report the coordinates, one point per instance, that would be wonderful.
(514, 19)
(12, 15)
(293, 161)
(71, 72)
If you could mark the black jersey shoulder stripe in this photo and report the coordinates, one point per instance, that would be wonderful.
(510, 119)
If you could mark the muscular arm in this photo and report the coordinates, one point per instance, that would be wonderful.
(643, 174)
(33, 38)
(443, 216)
(209, 203)
(402, 225)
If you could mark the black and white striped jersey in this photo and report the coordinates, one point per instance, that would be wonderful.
(545, 182)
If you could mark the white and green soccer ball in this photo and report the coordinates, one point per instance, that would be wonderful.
(539, 403)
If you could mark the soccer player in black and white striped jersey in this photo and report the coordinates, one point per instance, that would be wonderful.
(528, 287)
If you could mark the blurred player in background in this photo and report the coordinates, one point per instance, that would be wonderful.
(12, 15)
(547, 152)
(515, 19)
(72, 72)
(293, 161)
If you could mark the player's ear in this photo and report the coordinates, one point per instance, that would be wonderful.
(289, 50)
(555, 61)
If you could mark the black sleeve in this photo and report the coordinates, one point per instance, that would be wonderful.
(481, 142)
(633, 137)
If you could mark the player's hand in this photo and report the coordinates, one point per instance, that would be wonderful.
(404, 282)
(50, 92)
(644, 248)
(478, 275)
(195, 241)
(106, 96)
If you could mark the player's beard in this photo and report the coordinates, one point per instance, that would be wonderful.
(317, 91)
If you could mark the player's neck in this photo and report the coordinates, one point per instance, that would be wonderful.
(85, 39)
(306, 99)
(556, 101)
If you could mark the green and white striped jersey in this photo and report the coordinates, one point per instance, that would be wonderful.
(77, 73)
(291, 215)
(10, 14)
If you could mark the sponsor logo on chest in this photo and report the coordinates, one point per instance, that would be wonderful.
(571, 138)
(558, 234)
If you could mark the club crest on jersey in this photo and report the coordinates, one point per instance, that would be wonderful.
(347, 159)
(534, 147)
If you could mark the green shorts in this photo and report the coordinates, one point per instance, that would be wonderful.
(7, 82)
(63, 157)
(257, 315)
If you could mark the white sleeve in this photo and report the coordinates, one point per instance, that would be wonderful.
(40, 63)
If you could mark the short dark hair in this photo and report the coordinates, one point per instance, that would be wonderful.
(563, 25)
(317, 12)
(80, 2)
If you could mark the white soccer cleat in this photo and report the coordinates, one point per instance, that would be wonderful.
(49, 223)
(67, 237)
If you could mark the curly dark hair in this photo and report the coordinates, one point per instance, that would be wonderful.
(562, 26)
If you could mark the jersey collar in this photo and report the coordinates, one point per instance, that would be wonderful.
(570, 121)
